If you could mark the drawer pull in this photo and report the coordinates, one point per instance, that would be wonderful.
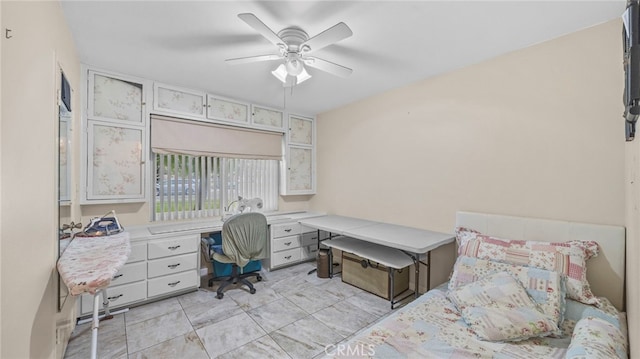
(287, 243)
(288, 230)
(117, 276)
(173, 266)
(115, 297)
(287, 257)
(173, 284)
(173, 248)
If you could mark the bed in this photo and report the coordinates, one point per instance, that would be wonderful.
(520, 288)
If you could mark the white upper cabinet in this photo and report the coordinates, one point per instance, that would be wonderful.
(115, 98)
(299, 167)
(300, 130)
(224, 109)
(114, 138)
(116, 169)
(179, 101)
(267, 118)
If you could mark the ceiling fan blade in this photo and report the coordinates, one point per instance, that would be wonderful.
(328, 66)
(263, 29)
(329, 36)
(245, 60)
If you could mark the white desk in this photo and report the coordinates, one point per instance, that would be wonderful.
(413, 242)
(336, 224)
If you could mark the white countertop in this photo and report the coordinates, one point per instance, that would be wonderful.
(166, 229)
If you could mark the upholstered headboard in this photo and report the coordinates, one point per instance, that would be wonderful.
(605, 273)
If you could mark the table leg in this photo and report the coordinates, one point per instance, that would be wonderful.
(95, 324)
(416, 264)
(429, 271)
(105, 304)
(330, 262)
(392, 287)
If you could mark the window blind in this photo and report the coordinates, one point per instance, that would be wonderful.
(171, 135)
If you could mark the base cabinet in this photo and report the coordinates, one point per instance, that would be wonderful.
(158, 266)
(292, 243)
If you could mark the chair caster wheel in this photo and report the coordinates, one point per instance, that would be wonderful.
(252, 290)
(258, 278)
(219, 295)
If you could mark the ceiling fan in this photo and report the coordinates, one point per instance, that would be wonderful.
(294, 47)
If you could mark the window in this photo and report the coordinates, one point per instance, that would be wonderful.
(201, 186)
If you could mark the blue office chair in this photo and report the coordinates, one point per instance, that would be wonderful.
(244, 243)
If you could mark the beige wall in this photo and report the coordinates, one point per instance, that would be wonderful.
(28, 302)
(536, 132)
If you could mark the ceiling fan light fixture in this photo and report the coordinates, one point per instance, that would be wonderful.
(280, 73)
(294, 67)
(304, 76)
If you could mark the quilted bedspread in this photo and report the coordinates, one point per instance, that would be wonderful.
(432, 327)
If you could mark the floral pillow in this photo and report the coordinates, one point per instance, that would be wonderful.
(545, 287)
(597, 339)
(567, 258)
(497, 308)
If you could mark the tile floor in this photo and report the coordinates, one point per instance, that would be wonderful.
(292, 315)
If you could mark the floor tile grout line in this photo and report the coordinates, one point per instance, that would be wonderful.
(295, 275)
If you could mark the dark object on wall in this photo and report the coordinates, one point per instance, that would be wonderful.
(631, 62)
(65, 93)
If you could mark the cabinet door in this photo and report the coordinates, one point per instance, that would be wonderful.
(223, 109)
(267, 118)
(115, 98)
(300, 130)
(300, 171)
(179, 101)
(116, 165)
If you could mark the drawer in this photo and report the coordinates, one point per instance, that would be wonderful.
(284, 243)
(309, 252)
(175, 264)
(138, 252)
(118, 296)
(130, 273)
(172, 283)
(289, 256)
(285, 229)
(173, 246)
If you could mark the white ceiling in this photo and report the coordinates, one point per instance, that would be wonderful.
(394, 43)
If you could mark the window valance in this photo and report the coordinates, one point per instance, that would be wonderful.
(180, 136)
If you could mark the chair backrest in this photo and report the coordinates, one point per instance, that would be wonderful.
(244, 237)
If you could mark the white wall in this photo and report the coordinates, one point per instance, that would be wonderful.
(536, 132)
(28, 192)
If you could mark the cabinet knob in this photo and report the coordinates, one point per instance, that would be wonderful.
(173, 248)
(287, 243)
(287, 257)
(173, 266)
(173, 284)
(288, 230)
(117, 276)
(115, 297)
